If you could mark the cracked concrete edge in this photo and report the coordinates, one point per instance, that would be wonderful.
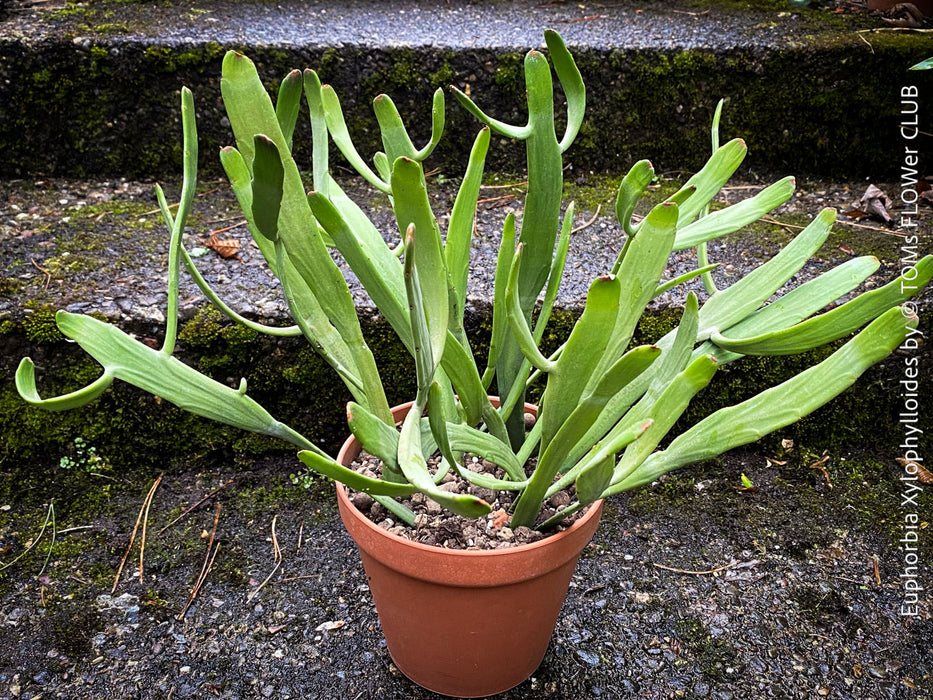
(809, 99)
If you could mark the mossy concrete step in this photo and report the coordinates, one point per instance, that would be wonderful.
(93, 88)
(100, 247)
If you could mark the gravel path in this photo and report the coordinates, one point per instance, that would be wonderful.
(690, 589)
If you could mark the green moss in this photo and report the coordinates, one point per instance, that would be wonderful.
(591, 191)
(628, 119)
(39, 326)
(401, 72)
(443, 76)
(669, 493)
(10, 286)
(170, 60)
(123, 208)
(202, 330)
(258, 501)
(875, 497)
(510, 72)
(330, 59)
(68, 263)
(73, 10)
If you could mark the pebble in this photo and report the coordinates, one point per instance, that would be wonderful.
(588, 657)
(42, 678)
(363, 501)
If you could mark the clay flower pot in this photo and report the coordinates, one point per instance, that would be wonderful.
(465, 623)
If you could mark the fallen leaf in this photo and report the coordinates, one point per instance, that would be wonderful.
(923, 474)
(904, 14)
(856, 214)
(227, 248)
(876, 203)
(329, 626)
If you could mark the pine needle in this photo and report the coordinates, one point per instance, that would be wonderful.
(205, 567)
(301, 532)
(142, 540)
(129, 547)
(276, 550)
(49, 518)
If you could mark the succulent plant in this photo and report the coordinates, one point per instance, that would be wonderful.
(606, 406)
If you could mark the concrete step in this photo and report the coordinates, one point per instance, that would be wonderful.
(100, 247)
(91, 89)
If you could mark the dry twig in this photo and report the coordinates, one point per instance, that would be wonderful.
(588, 223)
(276, 557)
(276, 550)
(238, 224)
(819, 465)
(48, 275)
(587, 18)
(524, 183)
(503, 199)
(696, 573)
(769, 220)
(923, 475)
(297, 578)
(262, 585)
(205, 567)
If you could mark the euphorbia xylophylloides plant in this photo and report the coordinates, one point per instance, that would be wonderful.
(605, 407)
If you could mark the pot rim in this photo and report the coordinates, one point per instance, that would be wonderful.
(480, 567)
(591, 511)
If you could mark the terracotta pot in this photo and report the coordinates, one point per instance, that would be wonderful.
(465, 623)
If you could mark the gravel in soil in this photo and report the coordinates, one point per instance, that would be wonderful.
(439, 528)
(690, 588)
